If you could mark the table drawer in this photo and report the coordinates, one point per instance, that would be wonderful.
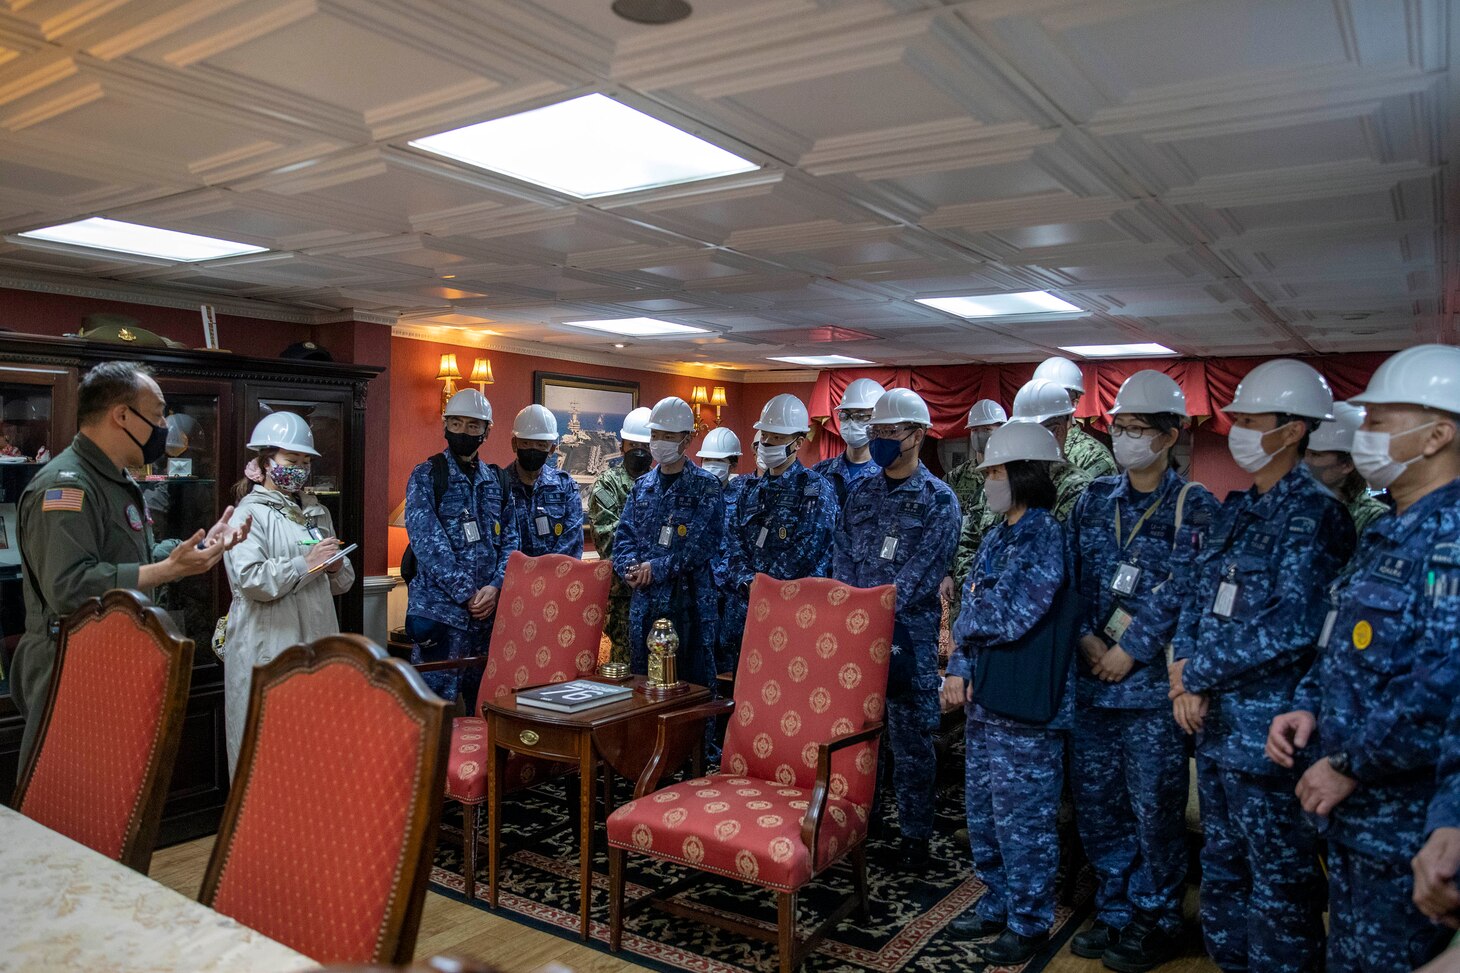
(536, 739)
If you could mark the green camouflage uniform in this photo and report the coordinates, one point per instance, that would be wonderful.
(1070, 482)
(967, 484)
(1365, 510)
(605, 506)
(1088, 453)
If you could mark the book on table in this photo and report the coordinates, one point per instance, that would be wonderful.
(574, 696)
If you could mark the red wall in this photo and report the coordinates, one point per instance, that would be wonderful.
(415, 406)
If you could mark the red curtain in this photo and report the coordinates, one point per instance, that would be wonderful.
(950, 390)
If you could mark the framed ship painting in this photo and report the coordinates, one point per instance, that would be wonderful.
(590, 412)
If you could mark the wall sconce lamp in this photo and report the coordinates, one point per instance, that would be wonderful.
(717, 399)
(448, 375)
(699, 398)
(481, 374)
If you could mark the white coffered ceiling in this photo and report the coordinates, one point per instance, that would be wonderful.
(1221, 176)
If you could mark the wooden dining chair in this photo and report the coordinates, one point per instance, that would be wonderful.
(109, 732)
(549, 621)
(327, 839)
(797, 777)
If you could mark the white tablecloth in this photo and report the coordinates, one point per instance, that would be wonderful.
(65, 907)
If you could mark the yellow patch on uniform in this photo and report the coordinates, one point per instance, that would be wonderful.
(782, 533)
(497, 528)
(683, 530)
(1363, 635)
(557, 530)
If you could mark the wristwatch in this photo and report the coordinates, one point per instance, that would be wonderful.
(1339, 762)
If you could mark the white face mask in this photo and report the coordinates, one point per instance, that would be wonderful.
(978, 441)
(1372, 458)
(664, 451)
(770, 457)
(1134, 452)
(719, 467)
(854, 433)
(1245, 445)
(759, 466)
(999, 494)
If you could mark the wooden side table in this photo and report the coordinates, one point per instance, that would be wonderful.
(620, 734)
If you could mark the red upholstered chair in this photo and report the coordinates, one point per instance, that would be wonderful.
(799, 766)
(549, 622)
(327, 838)
(110, 730)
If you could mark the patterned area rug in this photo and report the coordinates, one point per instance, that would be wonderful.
(910, 912)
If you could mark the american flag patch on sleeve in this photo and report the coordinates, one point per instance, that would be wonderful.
(63, 498)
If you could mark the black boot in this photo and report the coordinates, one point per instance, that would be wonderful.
(1093, 942)
(1011, 949)
(1143, 946)
(971, 925)
(908, 855)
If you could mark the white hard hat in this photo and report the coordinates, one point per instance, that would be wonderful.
(1040, 399)
(536, 422)
(784, 415)
(1427, 375)
(283, 430)
(672, 414)
(986, 412)
(1286, 386)
(1062, 372)
(862, 393)
(901, 405)
(720, 443)
(469, 404)
(1148, 392)
(636, 426)
(1020, 439)
(1337, 434)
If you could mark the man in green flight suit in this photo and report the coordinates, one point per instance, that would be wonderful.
(85, 529)
(1080, 448)
(605, 505)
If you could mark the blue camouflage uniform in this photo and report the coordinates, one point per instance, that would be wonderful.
(1261, 894)
(727, 636)
(1128, 756)
(676, 527)
(549, 512)
(903, 532)
(842, 474)
(1382, 690)
(452, 566)
(780, 526)
(1014, 771)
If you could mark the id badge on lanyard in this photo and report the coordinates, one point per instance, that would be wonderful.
(1226, 600)
(889, 548)
(1125, 579)
(541, 524)
(666, 536)
(470, 528)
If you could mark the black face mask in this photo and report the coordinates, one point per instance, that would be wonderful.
(637, 462)
(465, 444)
(531, 460)
(156, 445)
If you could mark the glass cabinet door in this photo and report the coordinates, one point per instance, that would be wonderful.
(28, 439)
(183, 491)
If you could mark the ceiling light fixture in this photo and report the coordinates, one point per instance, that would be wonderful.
(1138, 350)
(98, 233)
(820, 361)
(586, 147)
(998, 305)
(651, 11)
(638, 327)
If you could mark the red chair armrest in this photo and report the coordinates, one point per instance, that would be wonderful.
(811, 824)
(679, 733)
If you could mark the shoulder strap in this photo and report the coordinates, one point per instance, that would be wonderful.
(439, 476)
(1181, 507)
(503, 488)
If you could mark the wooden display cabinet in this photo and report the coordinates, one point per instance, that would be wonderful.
(213, 401)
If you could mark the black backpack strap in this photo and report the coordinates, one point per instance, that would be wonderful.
(439, 477)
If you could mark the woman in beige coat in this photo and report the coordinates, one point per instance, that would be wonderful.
(281, 577)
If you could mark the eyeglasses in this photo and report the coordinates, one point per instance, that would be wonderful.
(854, 415)
(892, 432)
(1134, 432)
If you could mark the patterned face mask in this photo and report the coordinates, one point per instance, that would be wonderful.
(290, 479)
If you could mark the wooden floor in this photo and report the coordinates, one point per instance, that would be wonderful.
(450, 927)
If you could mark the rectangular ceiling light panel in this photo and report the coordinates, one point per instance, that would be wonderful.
(1138, 350)
(98, 233)
(587, 147)
(638, 327)
(998, 305)
(820, 361)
